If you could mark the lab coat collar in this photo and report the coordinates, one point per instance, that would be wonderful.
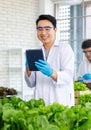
(56, 43)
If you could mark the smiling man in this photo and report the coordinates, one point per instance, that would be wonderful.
(54, 80)
(84, 71)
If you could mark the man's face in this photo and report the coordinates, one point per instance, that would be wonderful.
(46, 32)
(87, 52)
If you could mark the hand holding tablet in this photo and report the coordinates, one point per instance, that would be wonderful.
(33, 55)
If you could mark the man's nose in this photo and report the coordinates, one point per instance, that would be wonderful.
(43, 31)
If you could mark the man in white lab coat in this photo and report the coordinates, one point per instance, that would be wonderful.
(54, 80)
(84, 70)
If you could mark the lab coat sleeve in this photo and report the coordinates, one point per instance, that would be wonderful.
(64, 78)
(30, 80)
(66, 74)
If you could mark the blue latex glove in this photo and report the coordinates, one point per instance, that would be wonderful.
(87, 76)
(26, 63)
(44, 67)
(80, 79)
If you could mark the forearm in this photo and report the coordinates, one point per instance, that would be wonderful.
(30, 80)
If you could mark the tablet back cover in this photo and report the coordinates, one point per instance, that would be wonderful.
(32, 56)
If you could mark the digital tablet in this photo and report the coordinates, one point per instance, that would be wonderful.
(33, 55)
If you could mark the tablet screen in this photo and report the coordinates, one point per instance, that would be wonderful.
(32, 56)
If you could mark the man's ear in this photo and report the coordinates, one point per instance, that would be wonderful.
(55, 29)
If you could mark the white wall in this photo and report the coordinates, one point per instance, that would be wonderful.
(17, 21)
(17, 24)
(46, 7)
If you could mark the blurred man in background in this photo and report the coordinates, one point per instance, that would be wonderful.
(84, 71)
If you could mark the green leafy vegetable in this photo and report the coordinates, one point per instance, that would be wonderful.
(79, 86)
(16, 114)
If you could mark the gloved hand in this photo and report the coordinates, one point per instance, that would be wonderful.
(87, 76)
(80, 79)
(44, 67)
(26, 63)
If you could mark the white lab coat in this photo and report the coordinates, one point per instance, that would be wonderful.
(61, 59)
(84, 67)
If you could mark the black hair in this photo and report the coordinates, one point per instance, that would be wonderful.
(86, 44)
(47, 17)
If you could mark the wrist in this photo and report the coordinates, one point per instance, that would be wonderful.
(54, 75)
(28, 71)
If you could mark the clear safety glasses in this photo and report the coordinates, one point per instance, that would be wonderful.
(46, 28)
(87, 52)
